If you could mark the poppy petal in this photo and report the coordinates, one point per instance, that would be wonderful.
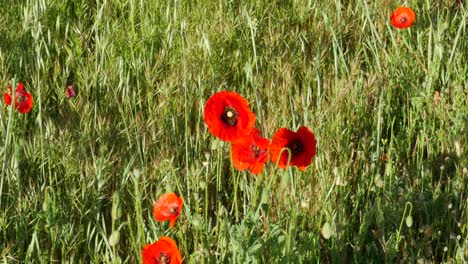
(168, 208)
(162, 251)
(402, 17)
(7, 96)
(250, 152)
(228, 116)
(23, 99)
(301, 145)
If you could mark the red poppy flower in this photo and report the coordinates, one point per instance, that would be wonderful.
(228, 116)
(250, 152)
(302, 145)
(402, 17)
(168, 207)
(163, 251)
(70, 92)
(23, 99)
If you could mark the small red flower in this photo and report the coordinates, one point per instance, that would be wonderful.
(168, 207)
(228, 116)
(302, 145)
(402, 17)
(70, 92)
(250, 152)
(23, 99)
(163, 251)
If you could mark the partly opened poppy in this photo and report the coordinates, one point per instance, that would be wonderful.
(23, 99)
(228, 116)
(168, 207)
(402, 17)
(163, 251)
(70, 92)
(301, 144)
(250, 152)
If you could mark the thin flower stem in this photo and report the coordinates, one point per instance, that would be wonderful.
(293, 184)
(236, 184)
(401, 223)
(279, 157)
(7, 137)
(293, 187)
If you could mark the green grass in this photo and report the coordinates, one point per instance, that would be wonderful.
(77, 171)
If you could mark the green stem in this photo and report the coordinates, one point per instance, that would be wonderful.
(401, 223)
(7, 137)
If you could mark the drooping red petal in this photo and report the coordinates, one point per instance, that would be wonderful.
(250, 152)
(7, 96)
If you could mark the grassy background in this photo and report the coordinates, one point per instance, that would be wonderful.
(388, 107)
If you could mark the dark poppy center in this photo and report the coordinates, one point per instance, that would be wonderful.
(403, 19)
(163, 258)
(173, 210)
(229, 116)
(21, 98)
(296, 147)
(256, 151)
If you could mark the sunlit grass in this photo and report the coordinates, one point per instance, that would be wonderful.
(388, 108)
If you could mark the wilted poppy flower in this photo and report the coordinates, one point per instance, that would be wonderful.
(70, 92)
(250, 152)
(228, 116)
(302, 145)
(402, 17)
(168, 207)
(23, 99)
(163, 251)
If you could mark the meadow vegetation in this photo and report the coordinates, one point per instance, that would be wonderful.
(388, 108)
